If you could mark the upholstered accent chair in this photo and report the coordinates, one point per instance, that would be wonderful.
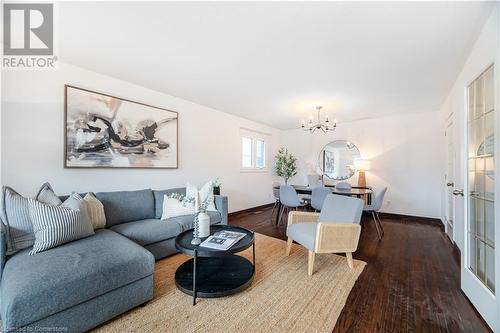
(335, 230)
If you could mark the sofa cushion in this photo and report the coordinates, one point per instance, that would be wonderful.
(126, 206)
(34, 287)
(158, 195)
(148, 231)
(186, 221)
(303, 233)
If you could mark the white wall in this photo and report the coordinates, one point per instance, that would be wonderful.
(482, 55)
(32, 140)
(406, 154)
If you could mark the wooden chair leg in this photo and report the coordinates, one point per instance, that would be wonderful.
(310, 267)
(289, 246)
(350, 263)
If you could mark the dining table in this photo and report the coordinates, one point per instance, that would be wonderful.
(355, 191)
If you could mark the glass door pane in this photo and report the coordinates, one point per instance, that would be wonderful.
(481, 197)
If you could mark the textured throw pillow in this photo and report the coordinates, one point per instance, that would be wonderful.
(173, 207)
(16, 219)
(95, 210)
(46, 195)
(206, 192)
(56, 225)
(76, 202)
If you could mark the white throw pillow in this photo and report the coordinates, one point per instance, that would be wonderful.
(205, 192)
(173, 207)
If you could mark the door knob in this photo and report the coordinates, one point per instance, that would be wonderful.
(458, 192)
(450, 184)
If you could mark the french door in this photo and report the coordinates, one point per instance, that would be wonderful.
(479, 269)
(450, 181)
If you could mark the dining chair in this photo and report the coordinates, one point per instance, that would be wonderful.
(318, 196)
(343, 186)
(374, 209)
(276, 194)
(288, 199)
(335, 230)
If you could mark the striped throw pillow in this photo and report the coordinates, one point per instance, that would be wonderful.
(17, 221)
(56, 225)
(46, 195)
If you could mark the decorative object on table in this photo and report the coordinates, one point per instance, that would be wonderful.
(336, 159)
(312, 175)
(104, 131)
(286, 164)
(222, 240)
(201, 219)
(217, 184)
(312, 180)
(361, 166)
(324, 127)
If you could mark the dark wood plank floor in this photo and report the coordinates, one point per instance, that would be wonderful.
(410, 284)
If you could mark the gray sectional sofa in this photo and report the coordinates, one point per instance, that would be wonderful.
(81, 284)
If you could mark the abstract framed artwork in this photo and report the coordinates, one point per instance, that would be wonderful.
(104, 131)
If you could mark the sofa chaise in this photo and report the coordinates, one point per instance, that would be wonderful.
(79, 285)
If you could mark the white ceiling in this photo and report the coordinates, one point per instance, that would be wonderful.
(273, 62)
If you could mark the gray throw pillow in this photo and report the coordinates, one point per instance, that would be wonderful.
(56, 225)
(17, 221)
(46, 195)
(76, 202)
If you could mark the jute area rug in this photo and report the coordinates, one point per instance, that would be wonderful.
(282, 297)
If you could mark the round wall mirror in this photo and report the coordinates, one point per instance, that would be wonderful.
(336, 159)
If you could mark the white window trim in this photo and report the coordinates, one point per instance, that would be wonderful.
(254, 135)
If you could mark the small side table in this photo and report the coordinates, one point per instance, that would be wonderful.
(214, 273)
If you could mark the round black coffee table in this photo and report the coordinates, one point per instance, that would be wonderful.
(214, 273)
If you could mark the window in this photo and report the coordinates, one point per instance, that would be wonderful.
(253, 153)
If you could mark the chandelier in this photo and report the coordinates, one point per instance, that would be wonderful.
(325, 127)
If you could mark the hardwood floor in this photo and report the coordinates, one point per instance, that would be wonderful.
(410, 284)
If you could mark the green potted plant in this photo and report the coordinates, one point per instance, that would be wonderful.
(286, 164)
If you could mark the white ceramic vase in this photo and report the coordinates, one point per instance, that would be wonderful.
(203, 225)
(312, 180)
